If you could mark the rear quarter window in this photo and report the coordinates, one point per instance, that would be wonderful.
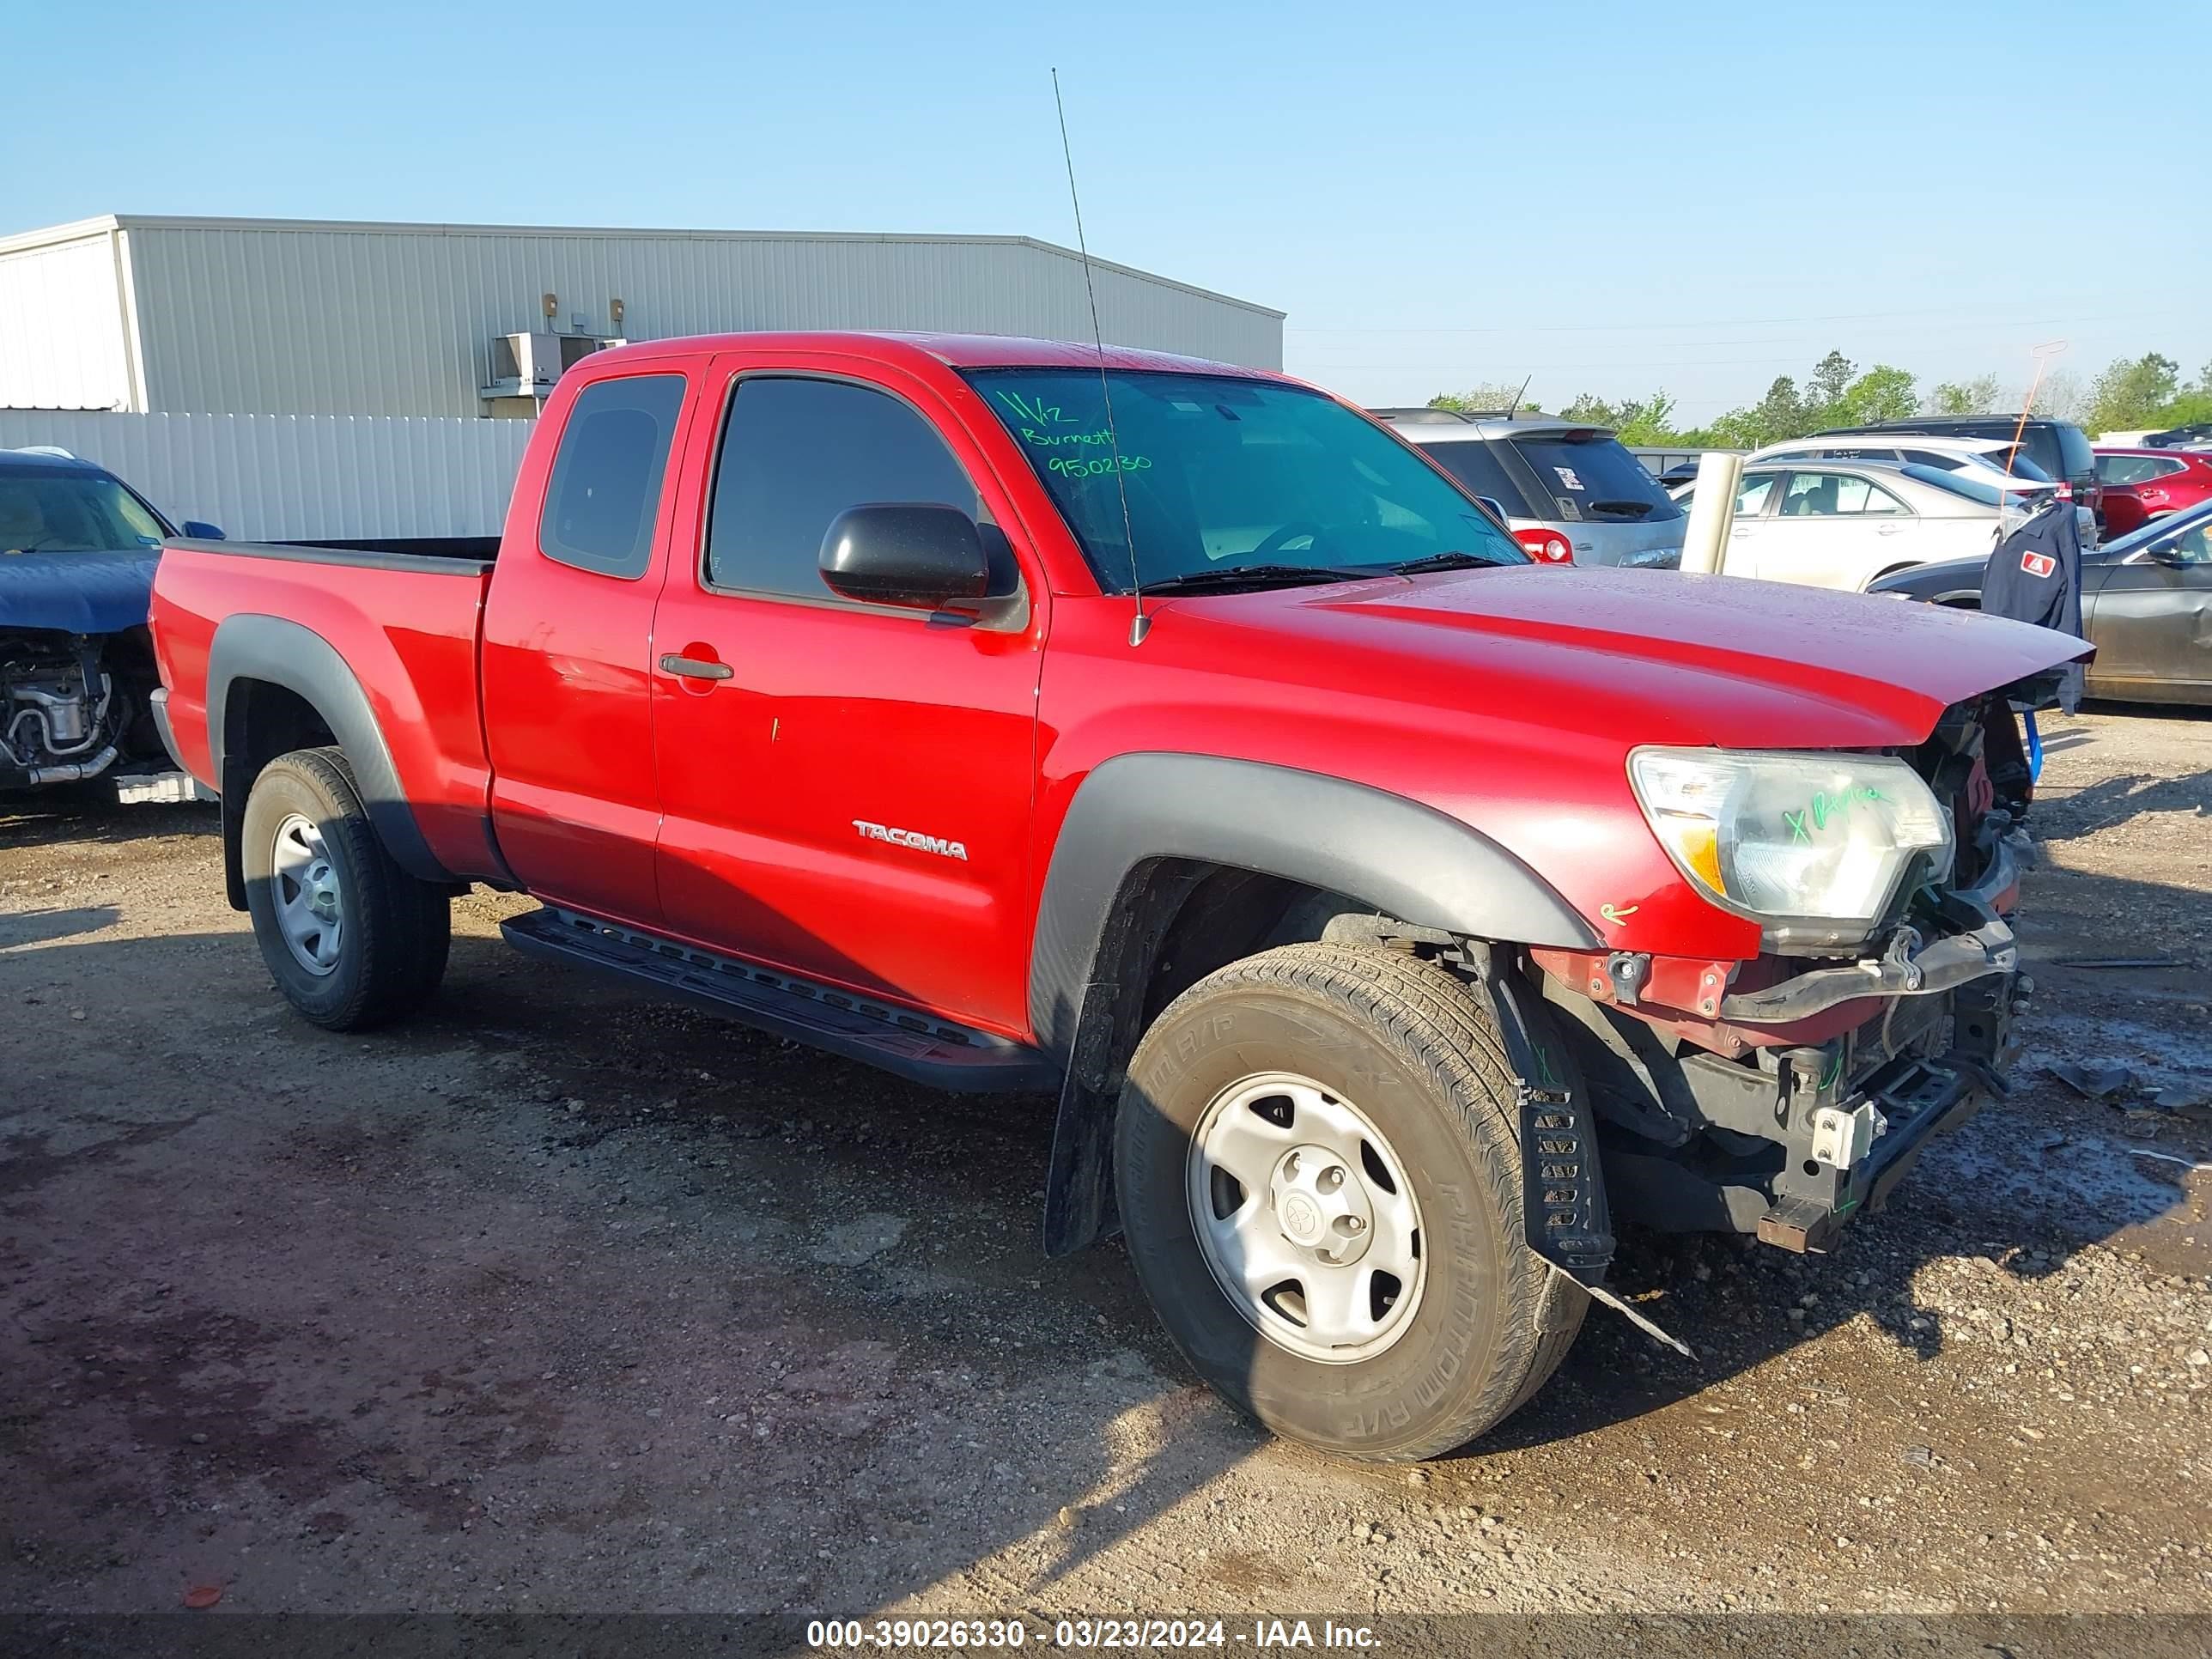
(1471, 461)
(604, 495)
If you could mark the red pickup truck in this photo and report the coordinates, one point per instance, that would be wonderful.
(1390, 913)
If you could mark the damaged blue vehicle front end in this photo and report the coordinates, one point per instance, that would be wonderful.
(78, 548)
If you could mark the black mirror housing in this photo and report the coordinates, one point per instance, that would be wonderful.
(920, 556)
(2165, 553)
(200, 530)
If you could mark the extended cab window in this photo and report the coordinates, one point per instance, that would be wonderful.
(795, 454)
(605, 493)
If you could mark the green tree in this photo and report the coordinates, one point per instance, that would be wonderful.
(1588, 407)
(1782, 413)
(2189, 408)
(1643, 423)
(1980, 396)
(1831, 378)
(1477, 399)
(2131, 390)
(1882, 393)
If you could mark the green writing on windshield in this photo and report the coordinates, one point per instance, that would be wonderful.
(1034, 411)
(1058, 439)
(1100, 466)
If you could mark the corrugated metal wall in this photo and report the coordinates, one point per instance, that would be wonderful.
(62, 331)
(372, 320)
(275, 478)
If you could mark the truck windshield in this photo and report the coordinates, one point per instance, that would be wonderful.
(1222, 471)
(66, 510)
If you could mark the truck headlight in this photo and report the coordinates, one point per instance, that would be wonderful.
(1812, 846)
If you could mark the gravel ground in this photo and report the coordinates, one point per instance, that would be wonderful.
(562, 1299)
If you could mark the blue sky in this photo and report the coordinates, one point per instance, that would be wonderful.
(1609, 198)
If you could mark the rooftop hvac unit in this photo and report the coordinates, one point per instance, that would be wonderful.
(527, 364)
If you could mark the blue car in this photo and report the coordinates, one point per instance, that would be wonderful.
(77, 551)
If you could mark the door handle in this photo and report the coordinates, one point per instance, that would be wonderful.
(1887, 529)
(694, 668)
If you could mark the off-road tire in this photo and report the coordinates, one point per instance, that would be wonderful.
(397, 929)
(1417, 1051)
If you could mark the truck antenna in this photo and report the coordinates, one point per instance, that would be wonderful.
(1140, 624)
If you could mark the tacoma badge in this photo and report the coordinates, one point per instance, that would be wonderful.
(914, 838)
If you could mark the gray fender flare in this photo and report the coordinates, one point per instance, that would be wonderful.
(286, 654)
(1408, 861)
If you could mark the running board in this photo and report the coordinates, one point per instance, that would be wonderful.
(899, 1040)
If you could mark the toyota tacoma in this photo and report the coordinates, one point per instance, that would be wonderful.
(1391, 915)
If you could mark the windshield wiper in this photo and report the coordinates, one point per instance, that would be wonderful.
(1451, 558)
(1622, 509)
(1227, 579)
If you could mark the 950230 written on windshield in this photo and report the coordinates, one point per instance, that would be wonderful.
(1093, 453)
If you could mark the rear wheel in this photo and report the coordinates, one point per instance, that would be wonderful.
(1320, 1178)
(351, 939)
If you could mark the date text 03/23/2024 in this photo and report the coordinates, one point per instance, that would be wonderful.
(1262, 1635)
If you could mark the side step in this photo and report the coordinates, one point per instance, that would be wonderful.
(899, 1040)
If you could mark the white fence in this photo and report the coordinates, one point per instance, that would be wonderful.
(276, 478)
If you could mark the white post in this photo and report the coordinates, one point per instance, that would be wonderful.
(1712, 511)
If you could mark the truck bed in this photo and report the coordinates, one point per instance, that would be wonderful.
(398, 620)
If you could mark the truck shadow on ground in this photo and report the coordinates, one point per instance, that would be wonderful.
(41, 927)
(53, 817)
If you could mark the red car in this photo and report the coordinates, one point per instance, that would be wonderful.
(2164, 480)
(1388, 912)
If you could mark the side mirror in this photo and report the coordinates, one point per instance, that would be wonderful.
(916, 555)
(2165, 553)
(199, 530)
(1492, 505)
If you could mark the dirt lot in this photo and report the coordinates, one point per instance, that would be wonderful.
(560, 1298)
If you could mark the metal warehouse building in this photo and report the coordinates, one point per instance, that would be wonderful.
(278, 317)
(309, 339)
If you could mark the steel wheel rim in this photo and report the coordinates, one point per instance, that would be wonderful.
(1306, 1217)
(310, 902)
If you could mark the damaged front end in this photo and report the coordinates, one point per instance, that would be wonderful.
(1781, 1095)
(74, 707)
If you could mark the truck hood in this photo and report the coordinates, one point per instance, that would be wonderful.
(1656, 656)
(77, 593)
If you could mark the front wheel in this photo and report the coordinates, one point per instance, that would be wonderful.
(351, 939)
(1320, 1178)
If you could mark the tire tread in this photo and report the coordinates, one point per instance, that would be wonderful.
(402, 924)
(1433, 1022)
